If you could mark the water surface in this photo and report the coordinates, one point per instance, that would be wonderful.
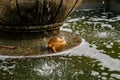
(97, 58)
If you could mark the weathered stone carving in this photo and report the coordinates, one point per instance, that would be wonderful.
(34, 15)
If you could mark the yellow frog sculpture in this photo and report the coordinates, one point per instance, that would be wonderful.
(56, 44)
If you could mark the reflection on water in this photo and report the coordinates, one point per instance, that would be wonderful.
(54, 68)
(98, 28)
(97, 58)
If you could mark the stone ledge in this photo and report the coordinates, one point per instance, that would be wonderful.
(34, 45)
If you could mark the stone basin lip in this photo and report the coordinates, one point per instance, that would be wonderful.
(38, 46)
(61, 53)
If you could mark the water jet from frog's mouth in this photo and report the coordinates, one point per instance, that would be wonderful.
(35, 45)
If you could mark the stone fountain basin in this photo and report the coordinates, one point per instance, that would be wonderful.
(28, 46)
(34, 15)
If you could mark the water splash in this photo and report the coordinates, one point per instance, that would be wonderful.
(106, 61)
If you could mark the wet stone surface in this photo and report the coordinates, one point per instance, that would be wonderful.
(34, 15)
(33, 43)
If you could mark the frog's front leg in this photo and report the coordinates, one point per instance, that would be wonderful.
(53, 48)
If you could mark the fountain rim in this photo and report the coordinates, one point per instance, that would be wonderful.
(61, 53)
